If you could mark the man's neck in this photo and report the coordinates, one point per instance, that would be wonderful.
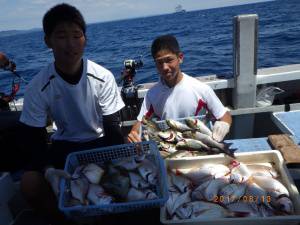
(72, 75)
(176, 81)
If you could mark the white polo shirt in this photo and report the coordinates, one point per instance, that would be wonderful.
(76, 109)
(190, 97)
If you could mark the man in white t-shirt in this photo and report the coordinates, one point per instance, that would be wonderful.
(177, 95)
(79, 95)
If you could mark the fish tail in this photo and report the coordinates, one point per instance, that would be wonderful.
(229, 151)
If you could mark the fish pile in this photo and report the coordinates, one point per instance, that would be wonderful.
(129, 179)
(219, 191)
(183, 139)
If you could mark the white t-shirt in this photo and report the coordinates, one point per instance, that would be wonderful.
(190, 97)
(76, 109)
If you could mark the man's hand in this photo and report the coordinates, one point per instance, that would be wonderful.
(53, 176)
(220, 130)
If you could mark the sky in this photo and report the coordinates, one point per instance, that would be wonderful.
(28, 14)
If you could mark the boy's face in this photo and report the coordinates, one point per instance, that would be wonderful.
(168, 66)
(67, 42)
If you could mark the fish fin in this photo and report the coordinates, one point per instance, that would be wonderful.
(229, 151)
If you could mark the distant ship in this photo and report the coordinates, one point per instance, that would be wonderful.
(179, 9)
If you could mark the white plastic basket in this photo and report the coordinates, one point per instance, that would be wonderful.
(273, 156)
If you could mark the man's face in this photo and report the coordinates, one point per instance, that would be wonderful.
(168, 66)
(67, 42)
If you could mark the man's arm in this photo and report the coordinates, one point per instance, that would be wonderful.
(112, 129)
(226, 118)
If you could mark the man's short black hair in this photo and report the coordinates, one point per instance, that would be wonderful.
(165, 42)
(62, 13)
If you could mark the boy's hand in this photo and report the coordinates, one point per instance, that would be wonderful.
(220, 130)
(133, 136)
(53, 176)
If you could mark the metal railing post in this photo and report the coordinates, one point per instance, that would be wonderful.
(245, 41)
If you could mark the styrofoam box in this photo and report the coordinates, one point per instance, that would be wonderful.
(273, 156)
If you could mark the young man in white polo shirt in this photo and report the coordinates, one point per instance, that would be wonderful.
(81, 97)
(177, 95)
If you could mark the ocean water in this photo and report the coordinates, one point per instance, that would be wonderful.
(205, 37)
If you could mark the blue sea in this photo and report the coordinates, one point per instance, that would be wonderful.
(205, 37)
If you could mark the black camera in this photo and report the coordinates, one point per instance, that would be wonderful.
(133, 64)
(129, 90)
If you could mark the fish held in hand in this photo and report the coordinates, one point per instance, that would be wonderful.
(197, 124)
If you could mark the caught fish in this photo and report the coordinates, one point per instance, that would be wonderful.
(271, 185)
(135, 194)
(204, 172)
(116, 184)
(148, 171)
(137, 181)
(168, 135)
(251, 210)
(201, 209)
(130, 163)
(93, 173)
(192, 144)
(181, 183)
(214, 187)
(283, 204)
(177, 126)
(209, 141)
(79, 188)
(198, 193)
(175, 200)
(232, 192)
(97, 195)
(168, 147)
(263, 170)
(197, 124)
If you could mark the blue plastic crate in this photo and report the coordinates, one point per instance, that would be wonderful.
(107, 154)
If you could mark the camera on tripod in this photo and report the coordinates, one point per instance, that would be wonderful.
(129, 90)
(133, 64)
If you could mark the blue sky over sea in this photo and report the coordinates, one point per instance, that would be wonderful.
(28, 14)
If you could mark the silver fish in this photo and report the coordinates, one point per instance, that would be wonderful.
(79, 189)
(177, 126)
(198, 193)
(97, 195)
(176, 200)
(137, 181)
(201, 209)
(212, 190)
(168, 147)
(181, 183)
(271, 185)
(197, 124)
(283, 204)
(136, 195)
(148, 171)
(192, 144)
(209, 141)
(168, 135)
(263, 170)
(232, 192)
(93, 173)
(250, 210)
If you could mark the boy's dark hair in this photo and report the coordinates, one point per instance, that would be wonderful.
(165, 42)
(62, 13)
